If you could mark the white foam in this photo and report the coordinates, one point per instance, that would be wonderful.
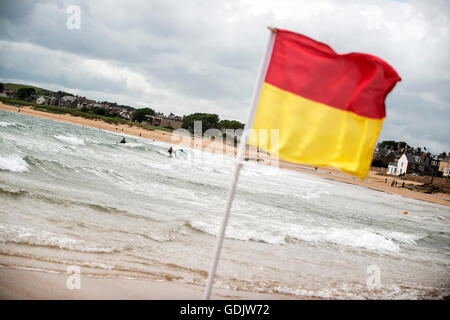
(359, 291)
(358, 238)
(405, 238)
(70, 140)
(355, 238)
(6, 124)
(239, 234)
(30, 236)
(132, 145)
(349, 237)
(13, 163)
(181, 154)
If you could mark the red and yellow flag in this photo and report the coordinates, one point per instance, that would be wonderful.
(329, 108)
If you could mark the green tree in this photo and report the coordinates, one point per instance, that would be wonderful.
(388, 143)
(230, 124)
(392, 143)
(24, 93)
(61, 94)
(139, 114)
(100, 111)
(1, 87)
(378, 163)
(209, 121)
(402, 144)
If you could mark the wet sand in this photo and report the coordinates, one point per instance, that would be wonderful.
(373, 181)
(27, 284)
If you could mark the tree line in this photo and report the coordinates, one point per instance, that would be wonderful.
(210, 121)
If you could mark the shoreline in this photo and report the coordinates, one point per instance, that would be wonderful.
(373, 181)
(26, 284)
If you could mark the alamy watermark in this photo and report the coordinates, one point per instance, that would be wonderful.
(73, 281)
(226, 143)
(374, 279)
(73, 21)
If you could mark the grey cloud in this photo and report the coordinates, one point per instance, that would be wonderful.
(189, 56)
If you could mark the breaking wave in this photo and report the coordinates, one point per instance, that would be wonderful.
(354, 238)
(132, 145)
(70, 140)
(6, 124)
(13, 163)
(29, 236)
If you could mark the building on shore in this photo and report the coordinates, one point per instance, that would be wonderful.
(84, 102)
(68, 102)
(392, 168)
(388, 155)
(42, 100)
(164, 122)
(444, 166)
(419, 163)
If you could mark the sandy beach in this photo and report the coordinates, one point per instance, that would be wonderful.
(373, 180)
(27, 284)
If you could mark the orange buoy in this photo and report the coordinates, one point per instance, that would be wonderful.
(405, 212)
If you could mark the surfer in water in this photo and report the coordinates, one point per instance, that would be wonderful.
(170, 151)
(123, 140)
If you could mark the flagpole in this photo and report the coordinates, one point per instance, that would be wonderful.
(240, 158)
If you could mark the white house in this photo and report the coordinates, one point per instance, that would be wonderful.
(409, 163)
(41, 100)
(402, 164)
(68, 102)
(398, 167)
(392, 168)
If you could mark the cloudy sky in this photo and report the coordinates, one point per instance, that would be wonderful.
(203, 55)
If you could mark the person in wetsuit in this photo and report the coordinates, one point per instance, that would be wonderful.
(123, 140)
(170, 151)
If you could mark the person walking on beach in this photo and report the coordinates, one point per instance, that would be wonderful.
(396, 183)
(392, 184)
(385, 180)
(403, 184)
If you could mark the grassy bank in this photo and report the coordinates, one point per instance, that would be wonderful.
(17, 86)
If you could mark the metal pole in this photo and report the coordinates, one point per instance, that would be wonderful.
(240, 158)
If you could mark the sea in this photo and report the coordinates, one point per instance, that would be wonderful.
(72, 195)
